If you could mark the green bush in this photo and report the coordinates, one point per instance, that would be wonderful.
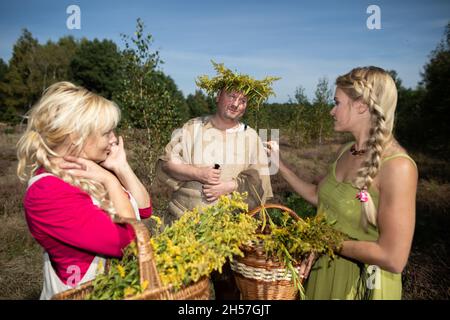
(303, 208)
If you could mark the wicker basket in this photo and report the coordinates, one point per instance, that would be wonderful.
(259, 277)
(199, 290)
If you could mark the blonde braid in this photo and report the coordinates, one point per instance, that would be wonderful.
(370, 167)
(376, 88)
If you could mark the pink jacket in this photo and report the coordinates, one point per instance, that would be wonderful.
(70, 228)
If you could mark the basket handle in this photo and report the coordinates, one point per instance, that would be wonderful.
(146, 259)
(275, 206)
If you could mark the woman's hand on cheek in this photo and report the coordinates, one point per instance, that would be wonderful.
(117, 158)
(83, 168)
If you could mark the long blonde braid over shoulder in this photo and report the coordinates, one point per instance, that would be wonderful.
(376, 88)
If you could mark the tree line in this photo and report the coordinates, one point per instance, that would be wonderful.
(150, 99)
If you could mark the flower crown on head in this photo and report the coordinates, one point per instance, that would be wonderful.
(256, 91)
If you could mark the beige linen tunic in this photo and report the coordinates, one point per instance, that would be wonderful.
(239, 152)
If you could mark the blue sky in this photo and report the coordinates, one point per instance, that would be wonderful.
(299, 41)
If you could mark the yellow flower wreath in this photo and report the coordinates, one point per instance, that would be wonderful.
(256, 91)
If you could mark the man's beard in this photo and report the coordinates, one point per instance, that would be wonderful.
(235, 116)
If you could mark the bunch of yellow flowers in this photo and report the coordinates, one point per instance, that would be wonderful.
(198, 243)
(202, 240)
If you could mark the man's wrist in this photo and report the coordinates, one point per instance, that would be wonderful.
(233, 185)
(197, 174)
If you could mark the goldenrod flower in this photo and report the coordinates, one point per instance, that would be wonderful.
(121, 271)
(128, 291)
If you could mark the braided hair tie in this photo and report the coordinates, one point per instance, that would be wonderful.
(362, 195)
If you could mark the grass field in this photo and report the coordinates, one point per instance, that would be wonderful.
(427, 275)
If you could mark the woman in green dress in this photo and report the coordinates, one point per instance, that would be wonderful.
(369, 192)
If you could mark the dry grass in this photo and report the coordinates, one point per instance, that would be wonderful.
(20, 255)
(20, 261)
(425, 277)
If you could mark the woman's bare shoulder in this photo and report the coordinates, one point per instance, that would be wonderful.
(393, 166)
(394, 148)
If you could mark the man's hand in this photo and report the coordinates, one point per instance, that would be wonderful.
(213, 192)
(209, 176)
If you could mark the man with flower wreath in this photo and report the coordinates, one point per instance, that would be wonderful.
(217, 154)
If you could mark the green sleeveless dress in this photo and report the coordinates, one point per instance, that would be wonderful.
(342, 278)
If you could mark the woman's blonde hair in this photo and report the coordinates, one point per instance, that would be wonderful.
(65, 114)
(374, 87)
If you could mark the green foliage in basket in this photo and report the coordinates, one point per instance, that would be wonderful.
(198, 243)
(121, 279)
(291, 241)
(202, 240)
